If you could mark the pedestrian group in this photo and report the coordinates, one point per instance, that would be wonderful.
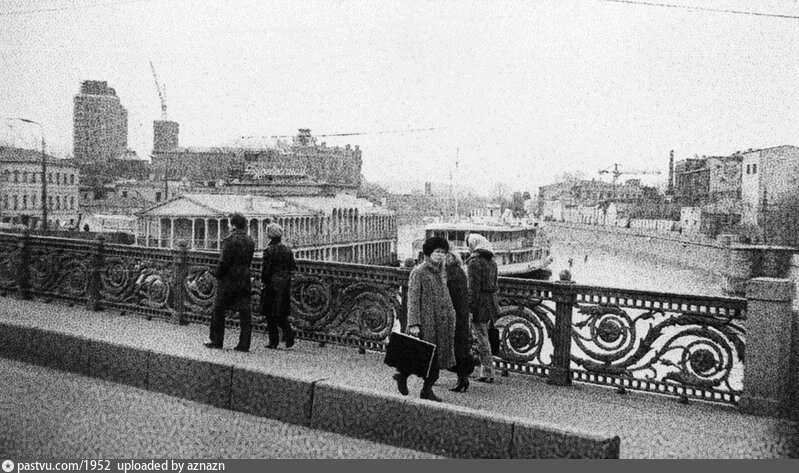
(445, 306)
(441, 301)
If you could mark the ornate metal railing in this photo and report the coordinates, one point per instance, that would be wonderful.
(674, 344)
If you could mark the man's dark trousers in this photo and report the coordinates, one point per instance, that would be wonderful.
(240, 304)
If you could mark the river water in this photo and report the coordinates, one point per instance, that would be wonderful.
(600, 267)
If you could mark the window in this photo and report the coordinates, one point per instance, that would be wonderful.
(25, 201)
(125, 194)
(16, 176)
(50, 200)
(16, 201)
(5, 201)
(50, 177)
(25, 176)
(71, 178)
(72, 203)
(33, 201)
(748, 169)
(58, 202)
(33, 177)
(158, 197)
(754, 169)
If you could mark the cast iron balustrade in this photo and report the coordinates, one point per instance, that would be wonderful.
(675, 344)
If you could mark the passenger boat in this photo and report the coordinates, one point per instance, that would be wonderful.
(521, 248)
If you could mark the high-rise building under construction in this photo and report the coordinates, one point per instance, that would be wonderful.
(100, 124)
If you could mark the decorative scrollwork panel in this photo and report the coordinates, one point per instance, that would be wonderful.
(59, 272)
(9, 261)
(142, 284)
(685, 354)
(346, 308)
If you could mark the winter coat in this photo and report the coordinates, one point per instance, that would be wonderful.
(278, 263)
(483, 286)
(459, 293)
(233, 270)
(430, 307)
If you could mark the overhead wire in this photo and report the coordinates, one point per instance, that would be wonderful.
(73, 7)
(698, 8)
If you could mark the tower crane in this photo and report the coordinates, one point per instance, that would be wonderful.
(161, 92)
(616, 173)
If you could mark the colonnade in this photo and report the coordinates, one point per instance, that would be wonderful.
(335, 238)
(207, 233)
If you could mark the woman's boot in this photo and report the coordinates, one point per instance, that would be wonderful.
(427, 393)
(462, 386)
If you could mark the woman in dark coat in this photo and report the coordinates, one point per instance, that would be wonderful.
(483, 287)
(278, 263)
(459, 293)
(431, 316)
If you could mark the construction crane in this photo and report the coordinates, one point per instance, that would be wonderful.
(616, 173)
(161, 92)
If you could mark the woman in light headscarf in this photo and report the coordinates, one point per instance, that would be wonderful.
(278, 263)
(483, 286)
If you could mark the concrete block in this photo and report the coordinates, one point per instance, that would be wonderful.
(764, 406)
(361, 413)
(195, 380)
(274, 397)
(770, 289)
(16, 343)
(441, 429)
(61, 351)
(546, 442)
(460, 432)
(119, 363)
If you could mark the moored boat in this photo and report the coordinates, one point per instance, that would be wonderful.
(522, 248)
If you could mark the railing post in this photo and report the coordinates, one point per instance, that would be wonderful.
(93, 293)
(179, 283)
(564, 295)
(767, 371)
(23, 268)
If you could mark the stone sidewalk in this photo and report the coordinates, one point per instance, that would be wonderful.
(650, 426)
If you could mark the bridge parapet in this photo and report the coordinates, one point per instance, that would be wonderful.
(675, 344)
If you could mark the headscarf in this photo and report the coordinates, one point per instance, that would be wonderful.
(274, 230)
(475, 241)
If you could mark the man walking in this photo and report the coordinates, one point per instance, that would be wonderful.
(233, 284)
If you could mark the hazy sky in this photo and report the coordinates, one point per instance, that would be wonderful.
(525, 91)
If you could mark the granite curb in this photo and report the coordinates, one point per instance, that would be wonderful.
(443, 429)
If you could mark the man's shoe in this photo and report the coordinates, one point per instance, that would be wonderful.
(402, 383)
(212, 345)
(241, 349)
(272, 346)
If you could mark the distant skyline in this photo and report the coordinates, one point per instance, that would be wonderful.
(518, 92)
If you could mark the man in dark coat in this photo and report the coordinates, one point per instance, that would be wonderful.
(233, 284)
(278, 263)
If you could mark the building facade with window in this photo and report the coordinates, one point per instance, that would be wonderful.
(21, 180)
(769, 177)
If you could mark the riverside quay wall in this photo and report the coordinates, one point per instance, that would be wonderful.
(702, 255)
(687, 346)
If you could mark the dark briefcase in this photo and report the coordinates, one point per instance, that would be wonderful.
(408, 353)
(493, 340)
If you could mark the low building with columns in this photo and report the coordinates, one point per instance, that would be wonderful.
(335, 228)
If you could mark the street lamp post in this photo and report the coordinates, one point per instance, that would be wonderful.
(44, 172)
